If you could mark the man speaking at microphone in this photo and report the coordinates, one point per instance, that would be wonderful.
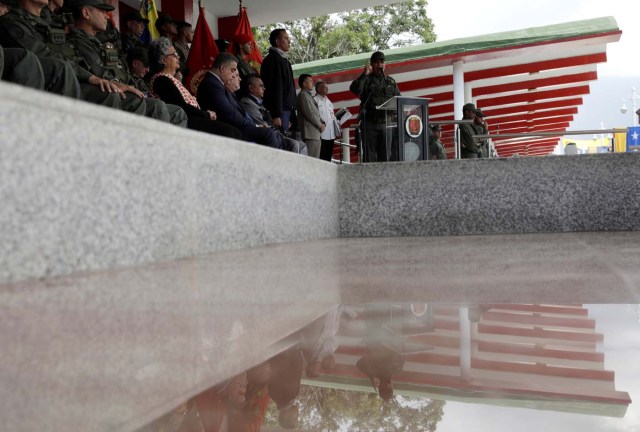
(374, 88)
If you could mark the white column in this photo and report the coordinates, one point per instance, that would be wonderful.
(458, 89)
(458, 99)
(465, 344)
(346, 151)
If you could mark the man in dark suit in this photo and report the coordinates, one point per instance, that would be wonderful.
(213, 95)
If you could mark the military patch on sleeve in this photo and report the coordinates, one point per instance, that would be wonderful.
(16, 32)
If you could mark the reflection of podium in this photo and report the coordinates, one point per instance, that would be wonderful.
(407, 128)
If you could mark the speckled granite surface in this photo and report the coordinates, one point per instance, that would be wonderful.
(526, 195)
(110, 351)
(116, 190)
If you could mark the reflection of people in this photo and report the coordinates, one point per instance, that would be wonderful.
(217, 402)
(251, 416)
(284, 385)
(319, 342)
(374, 88)
(380, 362)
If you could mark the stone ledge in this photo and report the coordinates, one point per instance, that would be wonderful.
(87, 188)
(496, 196)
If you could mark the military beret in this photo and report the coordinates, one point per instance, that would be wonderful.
(378, 55)
(95, 3)
(135, 16)
(469, 107)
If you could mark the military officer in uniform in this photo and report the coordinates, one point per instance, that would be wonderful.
(436, 148)
(469, 147)
(64, 71)
(21, 67)
(104, 60)
(374, 88)
(135, 27)
(480, 127)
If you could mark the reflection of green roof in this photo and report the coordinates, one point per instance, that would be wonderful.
(507, 39)
(452, 394)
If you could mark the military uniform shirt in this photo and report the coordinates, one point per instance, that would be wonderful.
(103, 62)
(374, 90)
(20, 29)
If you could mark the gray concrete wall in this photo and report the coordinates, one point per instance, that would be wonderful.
(498, 196)
(86, 188)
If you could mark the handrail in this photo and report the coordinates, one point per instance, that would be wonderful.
(551, 134)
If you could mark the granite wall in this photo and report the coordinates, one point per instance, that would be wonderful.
(496, 196)
(86, 188)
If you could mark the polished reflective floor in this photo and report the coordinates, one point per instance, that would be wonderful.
(428, 367)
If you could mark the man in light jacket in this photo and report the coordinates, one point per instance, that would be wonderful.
(309, 121)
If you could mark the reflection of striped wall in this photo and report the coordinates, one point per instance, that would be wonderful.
(523, 351)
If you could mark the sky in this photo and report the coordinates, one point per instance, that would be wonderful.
(615, 78)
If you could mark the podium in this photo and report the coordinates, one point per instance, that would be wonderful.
(407, 127)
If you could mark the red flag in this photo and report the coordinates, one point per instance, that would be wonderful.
(242, 35)
(201, 54)
(110, 16)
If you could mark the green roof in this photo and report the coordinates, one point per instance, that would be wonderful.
(506, 39)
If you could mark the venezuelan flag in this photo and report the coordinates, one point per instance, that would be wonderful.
(149, 11)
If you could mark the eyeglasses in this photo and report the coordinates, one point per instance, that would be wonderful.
(175, 54)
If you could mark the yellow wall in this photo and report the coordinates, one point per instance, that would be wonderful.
(590, 145)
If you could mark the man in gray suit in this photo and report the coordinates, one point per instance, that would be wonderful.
(253, 91)
(309, 121)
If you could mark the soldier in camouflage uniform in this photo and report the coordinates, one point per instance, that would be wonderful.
(135, 25)
(436, 148)
(481, 129)
(104, 59)
(138, 62)
(64, 72)
(374, 88)
(469, 147)
(21, 67)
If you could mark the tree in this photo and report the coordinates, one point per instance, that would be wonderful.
(362, 30)
(325, 409)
